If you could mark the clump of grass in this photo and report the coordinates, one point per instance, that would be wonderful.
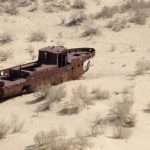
(121, 112)
(51, 95)
(138, 17)
(4, 55)
(129, 5)
(42, 91)
(35, 5)
(59, 42)
(80, 96)
(24, 3)
(121, 133)
(79, 4)
(122, 117)
(62, 20)
(57, 93)
(96, 127)
(31, 50)
(112, 48)
(76, 18)
(100, 94)
(125, 90)
(132, 48)
(135, 5)
(37, 36)
(90, 31)
(147, 108)
(116, 25)
(141, 67)
(48, 8)
(54, 139)
(5, 37)
(4, 129)
(69, 110)
(106, 12)
(46, 1)
(67, 2)
(12, 7)
(55, 6)
(16, 125)
(57, 139)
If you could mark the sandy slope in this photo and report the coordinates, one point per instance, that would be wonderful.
(107, 71)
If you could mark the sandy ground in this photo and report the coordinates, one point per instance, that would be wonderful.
(109, 70)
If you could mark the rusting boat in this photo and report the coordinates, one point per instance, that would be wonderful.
(55, 64)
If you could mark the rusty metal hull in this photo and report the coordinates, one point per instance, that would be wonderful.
(70, 64)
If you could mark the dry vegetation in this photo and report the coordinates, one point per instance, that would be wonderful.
(42, 91)
(121, 112)
(62, 21)
(117, 24)
(106, 12)
(135, 5)
(16, 124)
(24, 3)
(55, 6)
(132, 48)
(121, 117)
(80, 96)
(147, 108)
(121, 133)
(56, 94)
(128, 6)
(90, 31)
(10, 127)
(69, 110)
(4, 55)
(4, 129)
(37, 36)
(12, 7)
(96, 127)
(141, 67)
(76, 18)
(48, 8)
(5, 37)
(138, 11)
(80, 99)
(58, 139)
(49, 94)
(138, 17)
(30, 49)
(112, 48)
(79, 4)
(100, 94)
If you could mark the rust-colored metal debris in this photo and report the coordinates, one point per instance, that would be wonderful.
(55, 65)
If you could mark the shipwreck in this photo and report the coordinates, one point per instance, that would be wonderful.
(55, 64)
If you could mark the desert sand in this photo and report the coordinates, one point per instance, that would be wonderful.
(112, 70)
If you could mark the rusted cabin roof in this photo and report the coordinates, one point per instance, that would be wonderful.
(53, 49)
